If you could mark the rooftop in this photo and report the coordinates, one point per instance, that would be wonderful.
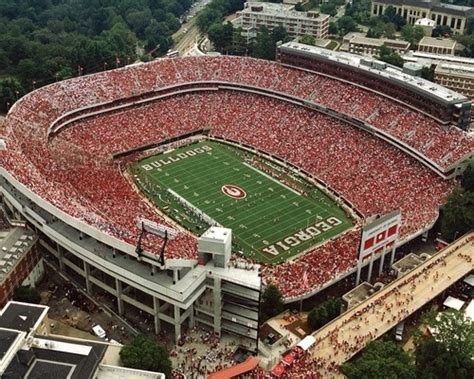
(56, 357)
(428, 59)
(378, 41)
(438, 42)
(14, 244)
(377, 67)
(283, 10)
(425, 22)
(217, 234)
(22, 316)
(432, 4)
(7, 339)
(460, 69)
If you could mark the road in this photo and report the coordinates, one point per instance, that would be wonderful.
(347, 335)
(188, 35)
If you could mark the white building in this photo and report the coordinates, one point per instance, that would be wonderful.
(427, 24)
(256, 14)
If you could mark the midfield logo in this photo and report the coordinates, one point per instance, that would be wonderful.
(234, 192)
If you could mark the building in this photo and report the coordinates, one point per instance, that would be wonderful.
(371, 46)
(427, 24)
(458, 77)
(256, 14)
(28, 350)
(444, 105)
(443, 46)
(20, 261)
(443, 14)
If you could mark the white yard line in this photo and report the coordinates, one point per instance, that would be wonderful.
(272, 178)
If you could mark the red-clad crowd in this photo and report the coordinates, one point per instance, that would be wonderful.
(74, 171)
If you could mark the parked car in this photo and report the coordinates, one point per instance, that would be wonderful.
(399, 331)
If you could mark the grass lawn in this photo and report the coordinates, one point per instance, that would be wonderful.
(210, 182)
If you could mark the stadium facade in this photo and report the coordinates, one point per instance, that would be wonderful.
(88, 227)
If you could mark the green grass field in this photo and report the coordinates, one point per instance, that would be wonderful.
(270, 220)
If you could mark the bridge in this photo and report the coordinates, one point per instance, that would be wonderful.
(344, 337)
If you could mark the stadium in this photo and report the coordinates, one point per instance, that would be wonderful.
(178, 186)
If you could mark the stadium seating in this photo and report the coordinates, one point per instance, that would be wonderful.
(74, 171)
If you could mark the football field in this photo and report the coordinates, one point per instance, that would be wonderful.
(212, 183)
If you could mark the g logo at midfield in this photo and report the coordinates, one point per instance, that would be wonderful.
(234, 192)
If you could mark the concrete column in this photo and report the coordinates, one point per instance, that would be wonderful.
(382, 259)
(392, 257)
(175, 276)
(463, 25)
(60, 257)
(359, 268)
(217, 305)
(369, 275)
(87, 274)
(191, 317)
(156, 308)
(118, 287)
(177, 324)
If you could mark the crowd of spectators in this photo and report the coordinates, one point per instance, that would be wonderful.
(73, 170)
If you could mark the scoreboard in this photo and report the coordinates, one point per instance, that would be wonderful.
(380, 235)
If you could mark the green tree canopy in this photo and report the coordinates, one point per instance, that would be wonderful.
(467, 180)
(221, 36)
(389, 56)
(390, 16)
(47, 40)
(448, 354)
(346, 24)
(413, 34)
(272, 302)
(145, 354)
(458, 214)
(441, 31)
(308, 40)
(378, 360)
(27, 294)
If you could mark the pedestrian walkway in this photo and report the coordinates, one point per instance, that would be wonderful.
(340, 340)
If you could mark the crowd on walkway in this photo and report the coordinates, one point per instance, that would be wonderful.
(351, 333)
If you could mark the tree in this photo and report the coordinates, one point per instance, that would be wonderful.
(387, 55)
(390, 15)
(272, 302)
(328, 8)
(313, 320)
(442, 31)
(10, 90)
(346, 24)
(27, 294)
(333, 29)
(434, 360)
(308, 40)
(278, 34)
(389, 30)
(145, 354)
(458, 214)
(333, 307)
(469, 26)
(467, 180)
(413, 34)
(380, 359)
(221, 36)
(448, 354)
(427, 73)
(264, 47)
